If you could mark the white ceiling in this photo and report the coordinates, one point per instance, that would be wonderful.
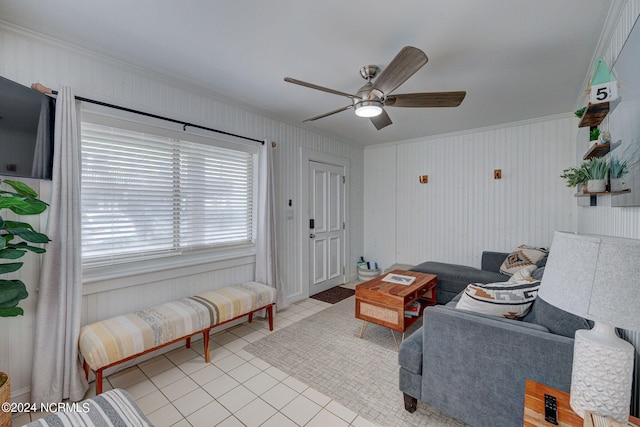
(517, 59)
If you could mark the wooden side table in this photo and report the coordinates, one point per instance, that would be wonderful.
(384, 303)
(534, 407)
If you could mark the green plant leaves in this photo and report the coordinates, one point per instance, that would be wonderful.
(10, 267)
(23, 201)
(597, 168)
(9, 253)
(11, 312)
(30, 207)
(21, 188)
(11, 292)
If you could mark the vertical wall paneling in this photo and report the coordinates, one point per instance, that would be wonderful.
(28, 57)
(463, 210)
(617, 221)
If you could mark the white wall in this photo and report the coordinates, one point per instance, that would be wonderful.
(603, 219)
(463, 210)
(27, 58)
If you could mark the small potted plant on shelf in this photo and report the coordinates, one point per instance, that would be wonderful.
(576, 176)
(617, 170)
(594, 134)
(580, 112)
(597, 170)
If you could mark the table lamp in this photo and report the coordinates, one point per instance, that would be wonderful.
(598, 278)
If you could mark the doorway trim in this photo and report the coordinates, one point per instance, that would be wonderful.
(306, 155)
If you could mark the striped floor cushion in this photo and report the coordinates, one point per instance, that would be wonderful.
(108, 342)
(113, 408)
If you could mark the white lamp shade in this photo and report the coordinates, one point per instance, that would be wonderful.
(595, 277)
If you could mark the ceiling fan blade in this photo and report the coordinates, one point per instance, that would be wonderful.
(404, 65)
(431, 99)
(381, 120)
(324, 89)
(339, 110)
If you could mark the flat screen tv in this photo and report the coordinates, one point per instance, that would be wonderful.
(26, 131)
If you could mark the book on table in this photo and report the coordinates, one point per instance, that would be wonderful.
(412, 309)
(399, 279)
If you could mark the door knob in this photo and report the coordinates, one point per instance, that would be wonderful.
(312, 236)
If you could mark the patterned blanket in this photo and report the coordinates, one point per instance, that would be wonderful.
(113, 408)
(112, 340)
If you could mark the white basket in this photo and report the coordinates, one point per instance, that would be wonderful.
(368, 273)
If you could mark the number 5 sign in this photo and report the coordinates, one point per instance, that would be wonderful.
(604, 92)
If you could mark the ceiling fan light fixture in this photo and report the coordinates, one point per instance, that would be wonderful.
(368, 108)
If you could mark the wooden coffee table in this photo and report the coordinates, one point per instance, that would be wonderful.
(384, 303)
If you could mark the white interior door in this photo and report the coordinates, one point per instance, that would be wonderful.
(326, 226)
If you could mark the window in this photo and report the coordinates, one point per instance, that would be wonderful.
(150, 193)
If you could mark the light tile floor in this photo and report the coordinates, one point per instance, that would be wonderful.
(180, 389)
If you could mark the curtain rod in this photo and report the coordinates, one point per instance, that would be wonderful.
(40, 88)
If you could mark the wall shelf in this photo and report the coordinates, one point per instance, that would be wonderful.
(593, 197)
(612, 193)
(594, 114)
(597, 150)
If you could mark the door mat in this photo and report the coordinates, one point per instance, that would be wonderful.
(334, 295)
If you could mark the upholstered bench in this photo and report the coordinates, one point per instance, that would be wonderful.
(110, 342)
(112, 408)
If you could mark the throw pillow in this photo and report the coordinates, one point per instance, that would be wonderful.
(511, 300)
(524, 273)
(523, 256)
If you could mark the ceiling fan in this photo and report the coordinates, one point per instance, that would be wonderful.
(373, 96)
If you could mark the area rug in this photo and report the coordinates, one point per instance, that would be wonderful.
(334, 295)
(324, 352)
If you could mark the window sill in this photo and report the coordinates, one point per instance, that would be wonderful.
(102, 279)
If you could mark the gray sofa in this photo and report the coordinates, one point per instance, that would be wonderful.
(474, 366)
(453, 278)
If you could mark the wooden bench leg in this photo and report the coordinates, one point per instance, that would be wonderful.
(251, 317)
(188, 342)
(270, 315)
(98, 381)
(206, 338)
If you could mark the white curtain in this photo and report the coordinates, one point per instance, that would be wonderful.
(267, 270)
(57, 373)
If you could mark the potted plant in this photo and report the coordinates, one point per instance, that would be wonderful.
(594, 134)
(580, 112)
(597, 170)
(617, 170)
(576, 176)
(15, 240)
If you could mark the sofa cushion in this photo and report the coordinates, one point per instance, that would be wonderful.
(522, 256)
(511, 300)
(557, 321)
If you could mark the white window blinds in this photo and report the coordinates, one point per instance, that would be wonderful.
(145, 195)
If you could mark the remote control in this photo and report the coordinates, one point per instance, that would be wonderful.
(550, 409)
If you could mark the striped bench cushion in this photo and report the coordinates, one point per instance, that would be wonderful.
(114, 408)
(109, 341)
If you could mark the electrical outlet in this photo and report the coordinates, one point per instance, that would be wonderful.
(497, 174)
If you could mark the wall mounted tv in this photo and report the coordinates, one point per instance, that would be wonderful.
(26, 131)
